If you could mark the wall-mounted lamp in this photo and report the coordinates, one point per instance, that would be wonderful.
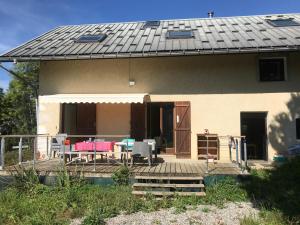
(131, 82)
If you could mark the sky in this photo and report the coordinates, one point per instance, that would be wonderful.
(22, 20)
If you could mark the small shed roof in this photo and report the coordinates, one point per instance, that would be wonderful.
(132, 39)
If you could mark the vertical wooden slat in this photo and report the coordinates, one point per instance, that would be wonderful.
(183, 129)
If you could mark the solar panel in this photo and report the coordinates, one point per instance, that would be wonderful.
(152, 23)
(283, 22)
(91, 38)
(180, 34)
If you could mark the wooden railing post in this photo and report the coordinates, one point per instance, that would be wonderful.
(2, 149)
(207, 169)
(34, 151)
(237, 150)
(47, 146)
(245, 153)
(20, 151)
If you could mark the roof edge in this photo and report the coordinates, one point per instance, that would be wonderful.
(154, 54)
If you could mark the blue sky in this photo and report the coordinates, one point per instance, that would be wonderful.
(21, 20)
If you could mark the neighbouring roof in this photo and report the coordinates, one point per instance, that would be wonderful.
(135, 39)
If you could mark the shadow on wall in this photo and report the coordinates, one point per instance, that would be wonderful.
(283, 128)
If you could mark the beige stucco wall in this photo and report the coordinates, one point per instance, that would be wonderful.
(219, 88)
(49, 117)
(113, 119)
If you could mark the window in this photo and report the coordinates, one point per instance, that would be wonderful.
(180, 34)
(152, 24)
(283, 22)
(272, 69)
(91, 38)
(298, 128)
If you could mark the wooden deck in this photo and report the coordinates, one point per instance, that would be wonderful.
(184, 168)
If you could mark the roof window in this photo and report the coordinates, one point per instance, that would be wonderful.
(91, 38)
(152, 24)
(179, 34)
(282, 22)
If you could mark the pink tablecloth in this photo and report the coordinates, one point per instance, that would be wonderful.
(103, 146)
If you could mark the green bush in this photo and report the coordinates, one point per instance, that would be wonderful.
(65, 180)
(26, 179)
(94, 218)
(121, 176)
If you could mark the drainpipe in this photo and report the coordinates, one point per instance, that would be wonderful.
(30, 85)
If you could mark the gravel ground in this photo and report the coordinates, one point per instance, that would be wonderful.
(230, 214)
(204, 215)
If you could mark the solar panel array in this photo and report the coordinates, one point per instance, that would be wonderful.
(132, 38)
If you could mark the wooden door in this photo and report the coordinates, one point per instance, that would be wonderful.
(86, 119)
(138, 121)
(183, 129)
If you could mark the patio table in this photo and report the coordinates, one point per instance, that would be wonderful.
(92, 148)
(101, 146)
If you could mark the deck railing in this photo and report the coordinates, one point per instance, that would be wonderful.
(18, 144)
(236, 145)
(12, 147)
(12, 144)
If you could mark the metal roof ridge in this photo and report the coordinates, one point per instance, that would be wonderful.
(180, 19)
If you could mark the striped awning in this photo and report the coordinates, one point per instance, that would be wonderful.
(94, 98)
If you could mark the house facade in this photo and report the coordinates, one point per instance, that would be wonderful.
(237, 76)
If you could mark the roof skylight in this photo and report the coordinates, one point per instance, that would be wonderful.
(91, 38)
(179, 34)
(283, 22)
(152, 24)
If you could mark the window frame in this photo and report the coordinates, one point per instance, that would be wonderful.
(285, 76)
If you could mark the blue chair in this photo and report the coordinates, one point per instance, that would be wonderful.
(129, 143)
(128, 147)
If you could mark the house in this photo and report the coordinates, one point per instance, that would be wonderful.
(173, 79)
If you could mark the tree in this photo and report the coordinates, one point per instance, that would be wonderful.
(18, 103)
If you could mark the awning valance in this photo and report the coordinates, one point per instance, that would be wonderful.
(94, 98)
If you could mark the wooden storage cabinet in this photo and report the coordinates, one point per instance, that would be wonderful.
(212, 142)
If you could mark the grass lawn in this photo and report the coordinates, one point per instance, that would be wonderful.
(276, 193)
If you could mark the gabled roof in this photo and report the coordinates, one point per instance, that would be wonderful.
(132, 39)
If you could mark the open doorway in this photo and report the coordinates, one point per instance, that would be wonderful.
(253, 126)
(160, 125)
(79, 119)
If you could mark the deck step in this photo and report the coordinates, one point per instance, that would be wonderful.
(160, 185)
(168, 193)
(185, 178)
